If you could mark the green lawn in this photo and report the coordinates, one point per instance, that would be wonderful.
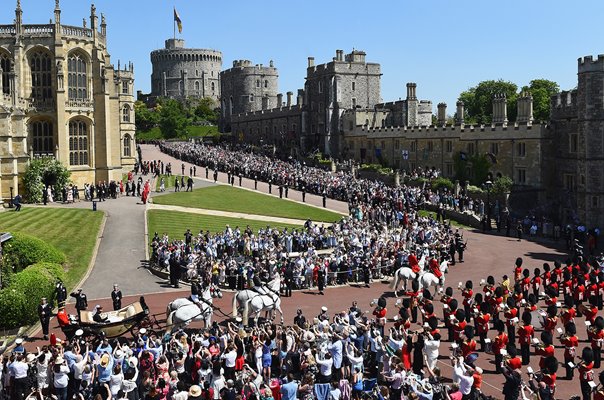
(176, 223)
(73, 231)
(227, 198)
(168, 181)
(192, 131)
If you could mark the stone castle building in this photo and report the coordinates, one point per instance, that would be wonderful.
(62, 97)
(179, 72)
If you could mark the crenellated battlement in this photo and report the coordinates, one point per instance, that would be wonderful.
(588, 64)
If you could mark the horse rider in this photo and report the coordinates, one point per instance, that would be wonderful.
(196, 292)
(435, 269)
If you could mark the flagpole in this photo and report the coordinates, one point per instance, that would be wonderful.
(174, 24)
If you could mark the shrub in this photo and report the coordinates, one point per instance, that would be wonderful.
(56, 271)
(34, 282)
(502, 185)
(24, 250)
(474, 190)
(442, 183)
(41, 172)
(12, 308)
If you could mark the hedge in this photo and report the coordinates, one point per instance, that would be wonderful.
(12, 308)
(24, 250)
(35, 282)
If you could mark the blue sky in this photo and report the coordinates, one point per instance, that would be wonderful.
(444, 46)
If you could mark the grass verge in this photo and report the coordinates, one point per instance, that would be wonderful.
(72, 231)
(175, 223)
(192, 131)
(226, 198)
(432, 214)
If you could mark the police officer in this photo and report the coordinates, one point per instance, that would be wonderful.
(44, 312)
(280, 191)
(116, 297)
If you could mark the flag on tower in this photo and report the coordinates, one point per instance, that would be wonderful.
(177, 20)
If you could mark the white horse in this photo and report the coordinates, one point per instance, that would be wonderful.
(182, 311)
(427, 279)
(405, 274)
(264, 302)
(243, 296)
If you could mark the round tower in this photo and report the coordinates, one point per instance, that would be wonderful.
(247, 88)
(179, 72)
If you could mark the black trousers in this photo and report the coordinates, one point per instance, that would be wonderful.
(45, 322)
(525, 351)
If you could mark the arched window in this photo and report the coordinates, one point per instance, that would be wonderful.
(126, 113)
(213, 86)
(127, 145)
(42, 137)
(78, 142)
(41, 82)
(197, 86)
(266, 83)
(257, 82)
(77, 77)
(5, 65)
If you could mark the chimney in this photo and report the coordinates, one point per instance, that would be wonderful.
(271, 64)
(525, 108)
(441, 115)
(411, 91)
(265, 103)
(280, 100)
(289, 98)
(300, 98)
(339, 55)
(500, 109)
(459, 118)
(311, 62)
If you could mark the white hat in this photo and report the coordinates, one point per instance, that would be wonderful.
(132, 362)
(324, 309)
(119, 353)
(19, 341)
(30, 357)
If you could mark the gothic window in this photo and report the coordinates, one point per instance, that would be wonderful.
(266, 83)
(5, 65)
(127, 146)
(77, 77)
(126, 113)
(41, 82)
(125, 87)
(257, 82)
(197, 86)
(213, 86)
(78, 142)
(42, 137)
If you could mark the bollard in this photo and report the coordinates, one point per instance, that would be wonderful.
(93, 205)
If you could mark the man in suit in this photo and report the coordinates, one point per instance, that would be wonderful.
(116, 297)
(44, 312)
(60, 294)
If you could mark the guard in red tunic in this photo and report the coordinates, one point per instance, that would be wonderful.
(413, 263)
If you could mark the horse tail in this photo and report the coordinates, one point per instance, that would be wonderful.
(394, 283)
(170, 320)
(169, 309)
(246, 307)
(235, 305)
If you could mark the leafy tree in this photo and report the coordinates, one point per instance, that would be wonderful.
(542, 90)
(172, 119)
(480, 168)
(42, 172)
(478, 100)
(502, 185)
(206, 110)
(145, 118)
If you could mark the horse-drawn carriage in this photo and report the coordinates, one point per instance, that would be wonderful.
(129, 319)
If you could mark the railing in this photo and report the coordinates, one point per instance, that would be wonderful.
(38, 30)
(79, 103)
(42, 104)
(77, 31)
(7, 30)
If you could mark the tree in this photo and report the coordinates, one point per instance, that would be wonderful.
(478, 100)
(172, 120)
(542, 90)
(206, 110)
(42, 172)
(145, 118)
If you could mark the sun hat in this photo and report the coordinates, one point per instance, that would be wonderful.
(59, 360)
(195, 391)
(105, 360)
(119, 353)
(132, 362)
(30, 357)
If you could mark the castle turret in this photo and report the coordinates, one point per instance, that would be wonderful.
(412, 105)
(525, 108)
(442, 114)
(459, 115)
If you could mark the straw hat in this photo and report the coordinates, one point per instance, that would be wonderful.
(30, 357)
(195, 391)
(59, 360)
(105, 360)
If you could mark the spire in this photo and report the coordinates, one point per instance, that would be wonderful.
(18, 17)
(18, 5)
(57, 13)
(57, 5)
(103, 25)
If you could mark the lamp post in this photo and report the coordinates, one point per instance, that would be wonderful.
(488, 185)
(11, 197)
